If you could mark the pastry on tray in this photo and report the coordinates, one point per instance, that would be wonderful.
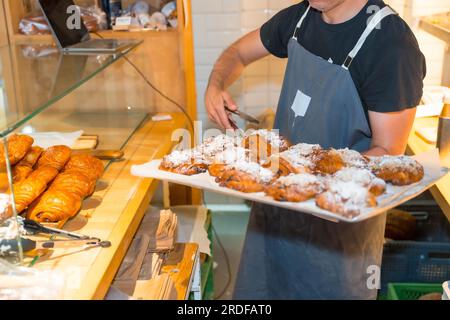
(398, 170)
(297, 159)
(55, 206)
(352, 158)
(56, 157)
(18, 146)
(217, 144)
(327, 161)
(226, 157)
(345, 198)
(245, 176)
(363, 177)
(186, 162)
(264, 143)
(295, 187)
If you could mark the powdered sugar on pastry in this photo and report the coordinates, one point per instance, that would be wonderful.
(253, 168)
(297, 159)
(353, 158)
(301, 179)
(360, 176)
(231, 155)
(304, 149)
(219, 143)
(178, 158)
(394, 163)
(271, 136)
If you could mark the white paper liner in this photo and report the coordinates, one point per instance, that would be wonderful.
(394, 196)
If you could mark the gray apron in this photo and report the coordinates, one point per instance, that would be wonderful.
(291, 255)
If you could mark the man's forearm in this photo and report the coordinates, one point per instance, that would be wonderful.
(376, 151)
(227, 69)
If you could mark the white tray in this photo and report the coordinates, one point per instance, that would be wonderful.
(393, 197)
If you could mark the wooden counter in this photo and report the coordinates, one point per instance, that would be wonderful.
(113, 213)
(416, 145)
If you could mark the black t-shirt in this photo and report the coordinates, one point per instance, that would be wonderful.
(389, 69)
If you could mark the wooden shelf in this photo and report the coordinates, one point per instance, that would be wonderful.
(416, 145)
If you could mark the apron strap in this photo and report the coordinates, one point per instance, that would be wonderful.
(299, 24)
(374, 22)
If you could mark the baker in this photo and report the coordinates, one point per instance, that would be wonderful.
(353, 79)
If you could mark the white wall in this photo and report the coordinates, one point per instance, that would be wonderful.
(217, 23)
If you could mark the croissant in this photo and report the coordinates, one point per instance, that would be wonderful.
(56, 157)
(30, 189)
(55, 206)
(20, 173)
(31, 157)
(18, 146)
(75, 181)
(87, 164)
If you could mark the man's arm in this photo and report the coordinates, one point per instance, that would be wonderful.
(227, 69)
(390, 132)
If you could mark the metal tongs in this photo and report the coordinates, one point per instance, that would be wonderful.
(72, 239)
(241, 115)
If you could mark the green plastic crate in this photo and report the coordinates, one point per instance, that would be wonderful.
(411, 291)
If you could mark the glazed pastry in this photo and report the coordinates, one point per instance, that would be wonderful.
(295, 187)
(20, 173)
(31, 188)
(362, 177)
(186, 162)
(245, 176)
(327, 161)
(18, 146)
(264, 143)
(31, 158)
(345, 198)
(55, 206)
(298, 159)
(398, 170)
(87, 164)
(74, 181)
(353, 158)
(56, 157)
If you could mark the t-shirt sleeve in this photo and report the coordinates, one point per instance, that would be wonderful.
(395, 82)
(276, 32)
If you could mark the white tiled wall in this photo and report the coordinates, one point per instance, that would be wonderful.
(218, 23)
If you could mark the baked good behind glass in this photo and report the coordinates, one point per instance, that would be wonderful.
(33, 186)
(18, 146)
(55, 206)
(87, 164)
(295, 187)
(55, 157)
(25, 166)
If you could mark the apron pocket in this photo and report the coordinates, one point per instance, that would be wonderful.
(300, 104)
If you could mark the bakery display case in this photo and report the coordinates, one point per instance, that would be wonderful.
(59, 114)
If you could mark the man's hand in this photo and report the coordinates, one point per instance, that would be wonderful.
(226, 70)
(215, 101)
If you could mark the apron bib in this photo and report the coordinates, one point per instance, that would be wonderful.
(290, 255)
